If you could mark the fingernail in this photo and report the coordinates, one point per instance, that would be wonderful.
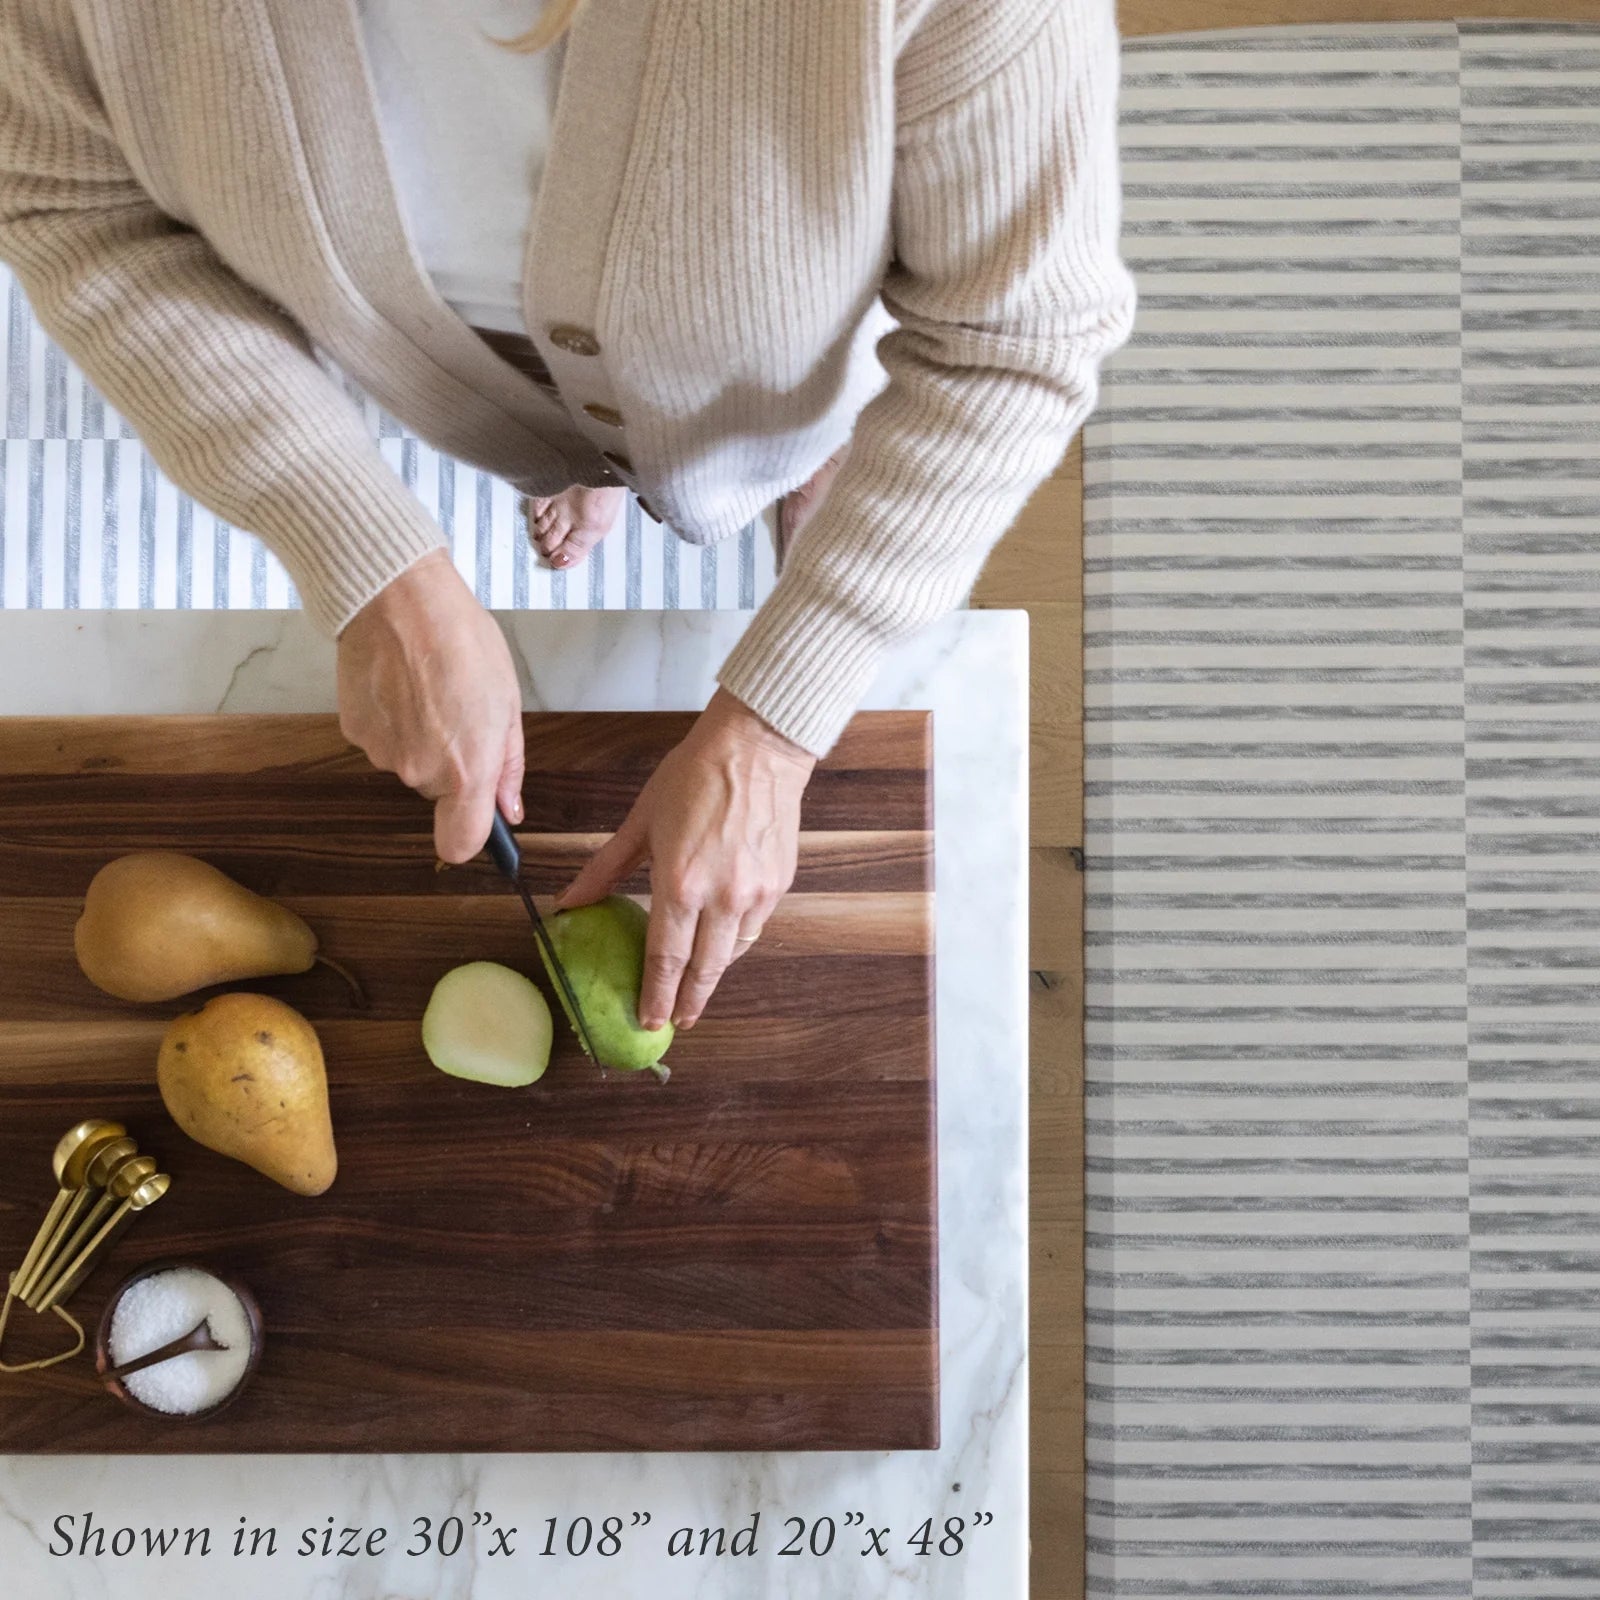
(560, 559)
(516, 808)
(653, 1024)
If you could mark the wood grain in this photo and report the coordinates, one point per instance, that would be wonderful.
(558, 743)
(1055, 1236)
(744, 1257)
(1038, 567)
(1055, 910)
(1041, 557)
(337, 864)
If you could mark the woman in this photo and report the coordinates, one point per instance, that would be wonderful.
(705, 226)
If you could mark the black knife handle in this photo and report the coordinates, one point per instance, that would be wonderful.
(503, 847)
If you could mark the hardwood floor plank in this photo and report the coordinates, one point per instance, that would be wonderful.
(1056, 1279)
(1055, 676)
(1035, 561)
(1055, 909)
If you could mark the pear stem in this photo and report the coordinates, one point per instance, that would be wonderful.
(357, 993)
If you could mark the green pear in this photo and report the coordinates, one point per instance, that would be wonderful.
(602, 948)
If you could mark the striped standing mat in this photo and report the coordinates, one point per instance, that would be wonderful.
(1343, 768)
(87, 520)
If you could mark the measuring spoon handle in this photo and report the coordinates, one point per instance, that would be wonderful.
(78, 1269)
(46, 1228)
(197, 1338)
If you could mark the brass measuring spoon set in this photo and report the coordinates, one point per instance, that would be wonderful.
(102, 1184)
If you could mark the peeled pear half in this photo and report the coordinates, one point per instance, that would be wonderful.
(488, 1024)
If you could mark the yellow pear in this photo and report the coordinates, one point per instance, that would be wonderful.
(158, 924)
(244, 1076)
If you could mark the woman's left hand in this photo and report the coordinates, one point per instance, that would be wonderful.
(719, 823)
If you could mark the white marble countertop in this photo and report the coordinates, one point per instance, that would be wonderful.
(971, 670)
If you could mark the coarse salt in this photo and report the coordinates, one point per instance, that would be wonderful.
(163, 1307)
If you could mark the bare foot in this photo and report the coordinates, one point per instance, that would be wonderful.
(800, 505)
(566, 527)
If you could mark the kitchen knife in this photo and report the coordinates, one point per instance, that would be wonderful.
(508, 858)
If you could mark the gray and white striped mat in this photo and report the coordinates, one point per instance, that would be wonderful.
(1343, 701)
(87, 520)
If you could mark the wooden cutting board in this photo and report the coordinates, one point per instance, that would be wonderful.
(744, 1257)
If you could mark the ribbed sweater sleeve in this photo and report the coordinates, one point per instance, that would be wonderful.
(223, 389)
(1010, 291)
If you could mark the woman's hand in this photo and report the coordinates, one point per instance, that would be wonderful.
(427, 689)
(719, 823)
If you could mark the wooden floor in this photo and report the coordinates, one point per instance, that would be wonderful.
(1038, 568)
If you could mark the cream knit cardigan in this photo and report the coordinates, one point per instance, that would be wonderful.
(195, 197)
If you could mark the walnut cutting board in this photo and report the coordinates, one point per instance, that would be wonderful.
(744, 1257)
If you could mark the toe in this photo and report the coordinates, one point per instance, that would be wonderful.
(566, 527)
(578, 543)
(548, 526)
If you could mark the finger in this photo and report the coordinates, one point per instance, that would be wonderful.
(614, 861)
(713, 951)
(750, 926)
(462, 819)
(512, 771)
(668, 946)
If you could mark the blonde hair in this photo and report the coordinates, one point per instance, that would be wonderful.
(554, 22)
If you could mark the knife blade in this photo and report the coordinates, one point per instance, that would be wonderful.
(508, 858)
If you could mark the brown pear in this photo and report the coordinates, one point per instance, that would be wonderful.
(158, 924)
(244, 1076)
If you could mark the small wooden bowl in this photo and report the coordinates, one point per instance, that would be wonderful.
(102, 1340)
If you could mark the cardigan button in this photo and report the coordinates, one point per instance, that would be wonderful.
(606, 414)
(619, 463)
(575, 341)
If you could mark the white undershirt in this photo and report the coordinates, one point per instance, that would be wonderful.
(467, 126)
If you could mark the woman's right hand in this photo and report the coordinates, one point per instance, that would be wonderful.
(427, 688)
